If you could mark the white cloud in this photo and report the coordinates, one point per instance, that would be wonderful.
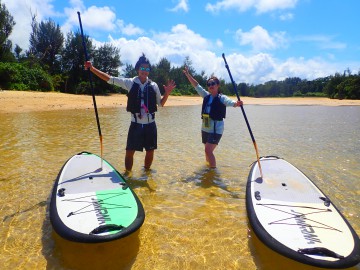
(241, 6)
(129, 29)
(219, 43)
(260, 68)
(322, 41)
(182, 5)
(93, 19)
(261, 6)
(98, 19)
(253, 69)
(286, 16)
(260, 39)
(174, 45)
(183, 38)
(304, 68)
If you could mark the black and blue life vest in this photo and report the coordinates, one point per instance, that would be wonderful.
(217, 108)
(135, 96)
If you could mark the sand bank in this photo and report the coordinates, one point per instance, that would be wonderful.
(25, 101)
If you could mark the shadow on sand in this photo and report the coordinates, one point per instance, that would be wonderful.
(207, 177)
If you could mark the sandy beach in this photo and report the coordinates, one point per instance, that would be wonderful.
(25, 101)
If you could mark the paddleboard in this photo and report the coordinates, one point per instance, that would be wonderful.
(291, 215)
(91, 202)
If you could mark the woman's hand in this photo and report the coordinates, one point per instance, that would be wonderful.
(193, 82)
(186, 71)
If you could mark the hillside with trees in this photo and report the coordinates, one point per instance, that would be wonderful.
(54, 62)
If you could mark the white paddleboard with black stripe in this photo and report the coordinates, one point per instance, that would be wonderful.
(91, 202)
(293, 217)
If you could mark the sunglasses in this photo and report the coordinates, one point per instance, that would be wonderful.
(211, 84)
(145, 69)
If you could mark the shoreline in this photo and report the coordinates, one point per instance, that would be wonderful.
(28, 101)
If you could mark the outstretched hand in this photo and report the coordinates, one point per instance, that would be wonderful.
(169, 87)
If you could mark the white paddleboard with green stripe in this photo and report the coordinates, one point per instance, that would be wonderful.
(91, 202)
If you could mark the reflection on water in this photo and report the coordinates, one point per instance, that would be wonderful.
(195, 217)
(265, 257)
(118, 254)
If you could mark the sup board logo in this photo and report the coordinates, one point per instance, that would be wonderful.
(306, 229)
(102, 213)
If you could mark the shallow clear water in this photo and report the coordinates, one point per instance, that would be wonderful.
(195, 218)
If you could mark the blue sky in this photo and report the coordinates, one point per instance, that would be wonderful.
(262, 39)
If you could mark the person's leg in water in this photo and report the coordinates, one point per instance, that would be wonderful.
(209, 154)
(149, 156)
(129, 160)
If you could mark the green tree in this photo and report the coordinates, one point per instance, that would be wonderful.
(243, 89)
(73, 59)
(107, 59)
(349, 88)
(6, 26)
(160, 73)
(129, 71)
(330, 88)
(18, 51)
(183, 87)
(46, 44)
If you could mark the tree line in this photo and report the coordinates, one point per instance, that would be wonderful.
(54, 62)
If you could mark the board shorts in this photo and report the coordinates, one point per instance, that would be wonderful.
(142, 136)
(212, 138)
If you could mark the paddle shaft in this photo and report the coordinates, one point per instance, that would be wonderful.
(92, 88)
(244, 114)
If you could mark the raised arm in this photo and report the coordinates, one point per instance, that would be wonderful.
(189, 77)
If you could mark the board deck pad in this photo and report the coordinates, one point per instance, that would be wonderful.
(291, 215)
(91, 202)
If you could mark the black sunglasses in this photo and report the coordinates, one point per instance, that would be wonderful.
(211, 84)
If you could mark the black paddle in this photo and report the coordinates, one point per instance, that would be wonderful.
(244, 114)
(92, 89)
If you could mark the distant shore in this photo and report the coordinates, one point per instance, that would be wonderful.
(26, 101)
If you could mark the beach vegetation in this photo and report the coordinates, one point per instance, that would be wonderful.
(18, 76)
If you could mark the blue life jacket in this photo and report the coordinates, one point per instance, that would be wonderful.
(217, 108)
(135, 96)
